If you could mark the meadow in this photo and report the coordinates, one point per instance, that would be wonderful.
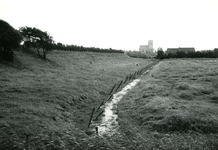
(46, 104)
(172, 107)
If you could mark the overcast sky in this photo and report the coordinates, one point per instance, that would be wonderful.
(119, 24)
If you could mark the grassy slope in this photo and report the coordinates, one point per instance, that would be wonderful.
(173, 107)
(49, 102)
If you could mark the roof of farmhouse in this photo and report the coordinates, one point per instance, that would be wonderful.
(186, 48)
(181, 49)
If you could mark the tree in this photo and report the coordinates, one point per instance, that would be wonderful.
(9, 40)
(216, 52)
(160, 53)
(37, 39)
(180, 54)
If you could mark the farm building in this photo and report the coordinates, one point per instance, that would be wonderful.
(180, 49)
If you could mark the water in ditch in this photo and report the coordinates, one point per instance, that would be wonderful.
(109, 124)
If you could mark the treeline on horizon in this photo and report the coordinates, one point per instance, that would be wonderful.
(60, 46)
(40, 41)
(180, 54)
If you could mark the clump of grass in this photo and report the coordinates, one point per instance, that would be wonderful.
(215, 98)
(185, 96)
(207, 90)
(182, 86)
(176, 123)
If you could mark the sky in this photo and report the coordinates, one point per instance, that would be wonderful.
(119, 24)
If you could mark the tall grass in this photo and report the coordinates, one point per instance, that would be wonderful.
(45, 104)
(170, 110)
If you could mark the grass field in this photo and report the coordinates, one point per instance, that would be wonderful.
(47, 104)
(173, 107)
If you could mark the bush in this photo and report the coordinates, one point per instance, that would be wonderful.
(160, 54)
(136, 54)
(37, 39)
(7, 55)
(9, 40)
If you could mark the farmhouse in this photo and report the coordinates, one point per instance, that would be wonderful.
(180, 49)
(172, 50)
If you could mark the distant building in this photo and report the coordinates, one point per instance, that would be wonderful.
(150, 44)
(180, 49)
(172, 50)
(148, 49)
(143, 48)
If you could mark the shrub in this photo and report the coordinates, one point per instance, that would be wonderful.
(37, 39)
(9, 40)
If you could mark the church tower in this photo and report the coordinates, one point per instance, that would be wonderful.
(150, 44)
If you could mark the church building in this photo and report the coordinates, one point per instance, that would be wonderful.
(148, 49)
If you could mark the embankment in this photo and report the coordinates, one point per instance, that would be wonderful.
(48, 103)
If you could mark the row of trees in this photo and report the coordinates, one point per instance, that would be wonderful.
(33, 38)
(43, 43)
(11, 39)
(60, 46)
(181, 54)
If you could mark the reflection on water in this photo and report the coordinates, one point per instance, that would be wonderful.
(109, 122)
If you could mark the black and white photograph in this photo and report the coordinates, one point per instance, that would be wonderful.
(108, 74)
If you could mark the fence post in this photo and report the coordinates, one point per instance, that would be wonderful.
(90, 120)
(119, 85)
(112, 89)
(99, 115)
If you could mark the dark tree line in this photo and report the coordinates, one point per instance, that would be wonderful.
(181, 54)
(60, 46)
